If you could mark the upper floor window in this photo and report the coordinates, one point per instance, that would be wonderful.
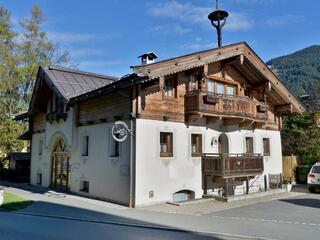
(193, 82)
(169, 87)
(249, 144)
(211, 86)
(220, 89)
(231, 90)
(196, 145)
(266, 147)
(85, 146)
(166, 144)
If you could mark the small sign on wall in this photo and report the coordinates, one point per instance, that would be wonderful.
(124, 170)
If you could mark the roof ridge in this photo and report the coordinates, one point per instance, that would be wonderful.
(75, 71)
(189, 54)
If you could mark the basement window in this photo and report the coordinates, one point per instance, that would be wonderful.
(84, 186)
(166, 144)
(39, 179)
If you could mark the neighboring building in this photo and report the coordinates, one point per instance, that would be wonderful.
(203, 123)
(19, 166)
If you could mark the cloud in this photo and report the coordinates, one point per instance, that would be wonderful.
(197, 44)
(181, 11)
(71, 37)
(192, 14)
(98, 63)
(284, 20)
(239, 22)
(86, 52)
(171, 29)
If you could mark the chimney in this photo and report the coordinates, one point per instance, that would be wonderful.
(148, 58)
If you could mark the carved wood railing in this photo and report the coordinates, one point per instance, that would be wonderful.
(231, 105)
(229, 165)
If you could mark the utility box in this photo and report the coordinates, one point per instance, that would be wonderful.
(1, 195)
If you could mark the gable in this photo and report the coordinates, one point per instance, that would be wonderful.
(241, 57)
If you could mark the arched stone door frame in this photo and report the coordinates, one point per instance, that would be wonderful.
(60, 165)
(223, 143)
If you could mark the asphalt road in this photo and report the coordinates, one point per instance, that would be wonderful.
(14, 226)
(292, 218)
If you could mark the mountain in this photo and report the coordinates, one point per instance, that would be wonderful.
(300, 71)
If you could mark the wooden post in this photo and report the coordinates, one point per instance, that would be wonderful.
(204, 177)
(265, 183)
(223, 170)
(247, 185)
(226, 187)
(161, 85)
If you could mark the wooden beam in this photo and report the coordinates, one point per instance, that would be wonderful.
(283, 109)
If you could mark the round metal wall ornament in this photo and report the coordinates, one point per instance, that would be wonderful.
(120, 131)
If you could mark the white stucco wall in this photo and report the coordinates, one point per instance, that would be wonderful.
(165, 176)
(108, 176)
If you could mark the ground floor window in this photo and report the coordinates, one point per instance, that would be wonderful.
(266, 147)
(196, 145)
(183, 195)
(84, 186)
(249, 144)
(166, 144)
(39, 178)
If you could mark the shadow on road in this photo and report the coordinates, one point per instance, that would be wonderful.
(49, 211)
(306, 202)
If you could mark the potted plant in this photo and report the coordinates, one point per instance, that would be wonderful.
(287, 184)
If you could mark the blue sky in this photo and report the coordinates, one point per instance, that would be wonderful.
(107, 36)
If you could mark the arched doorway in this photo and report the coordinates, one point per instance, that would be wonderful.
(60, 166)
(223, 143)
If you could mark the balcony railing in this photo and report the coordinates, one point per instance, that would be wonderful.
(232, 165)
(200, 101)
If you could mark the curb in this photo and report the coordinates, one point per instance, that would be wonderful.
(135, 225)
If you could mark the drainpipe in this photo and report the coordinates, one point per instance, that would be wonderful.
(132, 166)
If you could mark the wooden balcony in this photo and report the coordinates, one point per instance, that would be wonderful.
(232, 165)
(218, 168)
(225, 106)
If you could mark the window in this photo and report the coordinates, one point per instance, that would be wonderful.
(169, 88)
(196, 145)
(115, 146)
(40, 147)
(85, 146)
(266, 147)
(220, 88)
(231, 90)
(211, 86)
(84, 186)
(249, 144)
(39, 178)
(193, 85)
(166, 144)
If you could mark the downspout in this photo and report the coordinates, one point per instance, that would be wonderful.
(132, 150)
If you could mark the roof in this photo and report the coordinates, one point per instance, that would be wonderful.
(20, 156)
(72, 83)
(149, 54)
(251, 65)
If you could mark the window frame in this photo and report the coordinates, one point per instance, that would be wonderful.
(213, 86)
(266, 153)
(84, 186)
(85, 146)
(114, 148)
(169, 144)
(40, 147)
(198, 144)
(251, 145)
